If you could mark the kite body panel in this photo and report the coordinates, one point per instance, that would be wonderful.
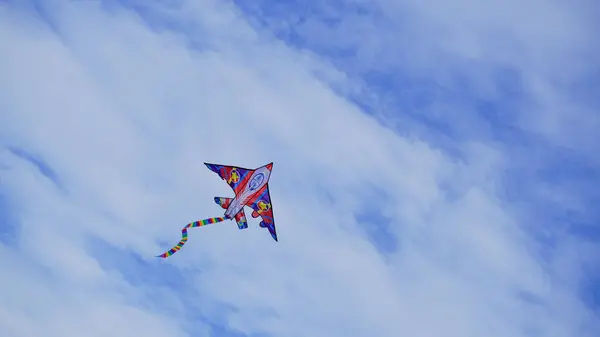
(241, 220)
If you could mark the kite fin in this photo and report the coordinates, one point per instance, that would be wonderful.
(241, 220)
(223, 202)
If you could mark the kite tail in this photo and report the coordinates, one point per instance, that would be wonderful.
(184, 234)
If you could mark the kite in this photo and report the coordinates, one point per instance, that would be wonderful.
(251, 188)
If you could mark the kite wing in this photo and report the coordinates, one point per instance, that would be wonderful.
(235, 176)
(261, 204)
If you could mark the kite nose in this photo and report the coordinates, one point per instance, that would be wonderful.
(269, 166)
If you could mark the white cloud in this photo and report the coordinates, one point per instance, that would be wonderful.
(126, 116)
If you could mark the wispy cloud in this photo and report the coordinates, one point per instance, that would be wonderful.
(433, 168)
(39, 164)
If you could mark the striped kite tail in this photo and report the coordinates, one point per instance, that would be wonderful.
(184, 234)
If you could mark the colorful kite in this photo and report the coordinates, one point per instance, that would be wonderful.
(251, 189)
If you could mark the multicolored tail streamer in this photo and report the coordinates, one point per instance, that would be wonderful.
(184, 234)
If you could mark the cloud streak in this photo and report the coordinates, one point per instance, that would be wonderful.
(374, 125)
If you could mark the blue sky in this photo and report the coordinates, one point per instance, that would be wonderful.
(435, 167)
